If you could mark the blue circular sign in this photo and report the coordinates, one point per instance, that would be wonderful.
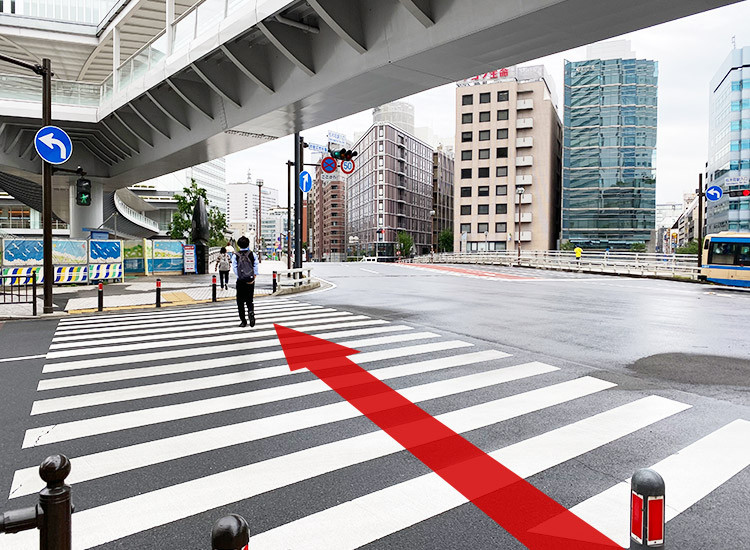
(305, 181)
(714, 193)
(53, 144)
(328, 165)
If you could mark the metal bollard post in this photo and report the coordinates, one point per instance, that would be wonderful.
(274, 282)
(33, 292)
(230, 533)
(158, 292)
(646, 510)
(52, 516)
(100, 305)
(213, 288)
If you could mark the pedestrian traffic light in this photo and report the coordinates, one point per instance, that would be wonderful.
(343, 154)
(739, 193)
(381, 230)
(83, 192)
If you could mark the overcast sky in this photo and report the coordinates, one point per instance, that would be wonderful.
(689, 52)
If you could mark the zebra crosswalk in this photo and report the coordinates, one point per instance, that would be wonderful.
(128, 396)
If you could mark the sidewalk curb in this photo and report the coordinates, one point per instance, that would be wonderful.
(296, 289)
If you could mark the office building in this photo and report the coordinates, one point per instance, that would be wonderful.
(243, 203)
(397, 113)
(507, 142)
(609, 171)
(729, 143)
(390, 191)
(328, 241)
(443, 167)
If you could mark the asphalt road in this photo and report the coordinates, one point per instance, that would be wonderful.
(174, 418)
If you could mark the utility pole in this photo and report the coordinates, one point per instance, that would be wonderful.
(519, 196)
(699, 228)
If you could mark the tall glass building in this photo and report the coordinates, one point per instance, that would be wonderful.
(609, 152)
(729, 143)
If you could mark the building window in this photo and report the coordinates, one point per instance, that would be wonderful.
(465, 228)
(465, 173)
(501, 190)
(466, 191)
(465, 136)
(483, 228)
(501, 171)
(466, 155)
(501, 209)
(484, 98)
(466, 210)
(502, 153)
(484, 153)
(501, 227)
(483, 191)
(502, 133)
(502, 96)
(484, 135)
(467, 118)
(484, 116)
(502, 114)
(484, 172)
(467, 100)
(483, 209)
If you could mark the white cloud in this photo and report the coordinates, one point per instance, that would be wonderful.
(689, 52)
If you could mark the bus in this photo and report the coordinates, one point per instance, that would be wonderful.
(726, 258)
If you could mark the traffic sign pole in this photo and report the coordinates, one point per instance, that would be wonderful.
(700, 220)
(49, 276)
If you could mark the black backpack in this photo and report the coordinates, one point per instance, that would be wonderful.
(245, 266)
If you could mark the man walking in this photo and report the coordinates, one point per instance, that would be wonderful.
(245, 267)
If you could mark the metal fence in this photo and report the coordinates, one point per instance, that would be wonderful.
(17, 289)
(621, 263)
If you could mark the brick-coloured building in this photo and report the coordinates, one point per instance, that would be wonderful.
(442, 194)
(326, 207)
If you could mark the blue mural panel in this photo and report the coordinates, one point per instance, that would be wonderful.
(22, 252)
(105, 252)
(168, 256)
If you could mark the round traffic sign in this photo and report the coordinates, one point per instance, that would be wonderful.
(53, 144)
(347, 166)
(328, 165)
(714, 193)
(305, 181)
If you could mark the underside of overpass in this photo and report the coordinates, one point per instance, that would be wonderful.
(227, 75)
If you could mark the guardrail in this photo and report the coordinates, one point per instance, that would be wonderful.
(11, 285)
(292, 277)
(620, 263)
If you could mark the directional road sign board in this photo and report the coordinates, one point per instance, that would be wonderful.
(328, 165)
(347, 166)
(53, 144)
(305, 181)
(714, 193)
(317, 148)
(326, 178)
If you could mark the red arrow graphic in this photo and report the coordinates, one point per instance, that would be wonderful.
(512, 502)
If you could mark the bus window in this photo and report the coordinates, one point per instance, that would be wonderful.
(743, 257)
(721, 254)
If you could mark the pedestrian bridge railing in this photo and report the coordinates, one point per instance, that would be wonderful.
(620, 263)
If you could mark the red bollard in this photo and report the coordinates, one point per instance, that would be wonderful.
(274, 282)
(158, 292)
(213, 288)
(647, 510)
(101, 296)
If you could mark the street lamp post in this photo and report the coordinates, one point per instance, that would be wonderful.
(258, 238)
(519, 197)
(433, 239)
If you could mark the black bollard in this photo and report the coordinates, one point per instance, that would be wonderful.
(56, 504)
(646, 510)
(158, 292)
(274, 282)
(101, 296)
(213, 288)
(230, 533)
(52, 516)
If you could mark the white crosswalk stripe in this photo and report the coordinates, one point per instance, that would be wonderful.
(144, 389)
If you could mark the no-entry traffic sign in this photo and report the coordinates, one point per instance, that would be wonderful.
(328, 165)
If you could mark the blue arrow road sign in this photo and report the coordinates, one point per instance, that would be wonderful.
(714, 193)
(53, 144)
(305, 181)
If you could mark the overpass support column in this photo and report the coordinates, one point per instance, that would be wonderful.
(115, 59)
(169, 21)
(91, 216)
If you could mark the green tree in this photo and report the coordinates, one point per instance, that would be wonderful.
(445, 241)
(690, 248)
(567, 245)
(405, 243)
(181, 224)
(638, 247)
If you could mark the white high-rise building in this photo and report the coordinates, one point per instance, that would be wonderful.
(242, 202)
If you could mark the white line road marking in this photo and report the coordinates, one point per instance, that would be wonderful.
(209, 350)
(104, 523)
(206, 364)
(689, 475)
(370, 271)
(115, 461)
(121, 421)
(421, 498)
(22, 358)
